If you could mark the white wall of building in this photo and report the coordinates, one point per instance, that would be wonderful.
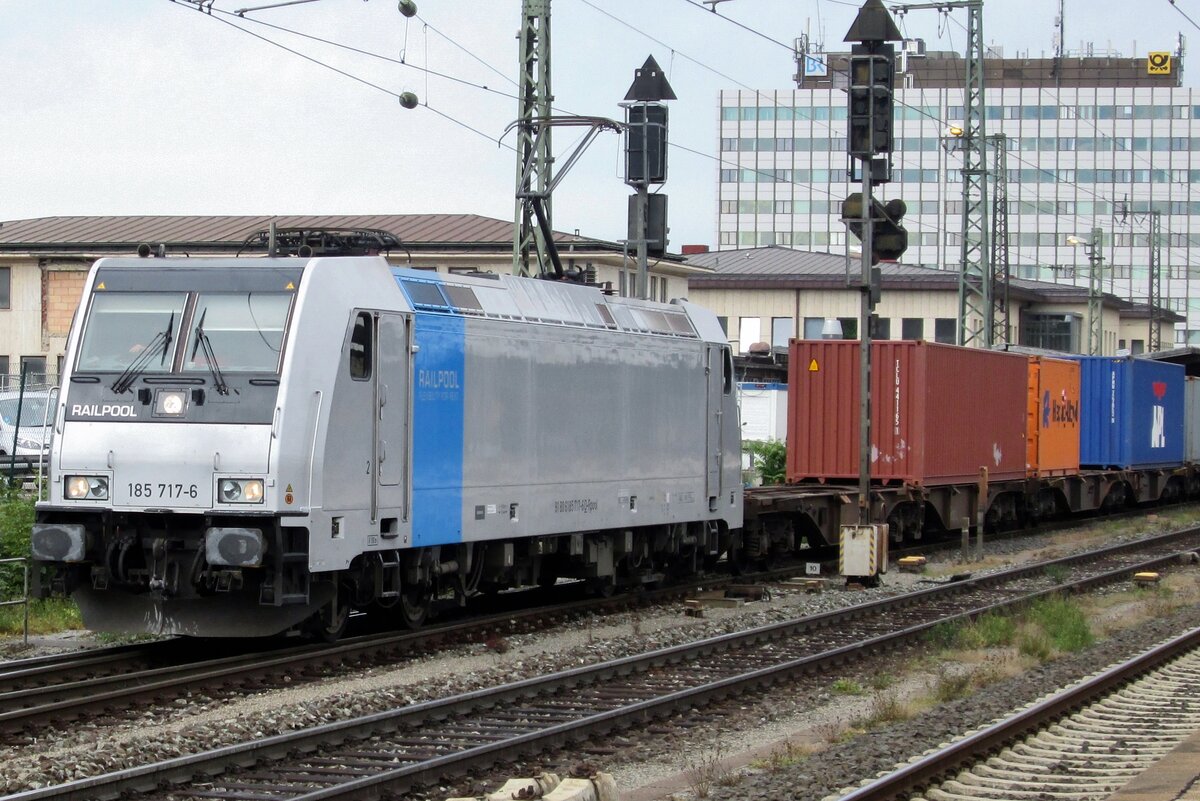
(1079, 159)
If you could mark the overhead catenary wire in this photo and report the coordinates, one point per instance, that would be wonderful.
(1093, 192)
(222, 17)
(429, 72)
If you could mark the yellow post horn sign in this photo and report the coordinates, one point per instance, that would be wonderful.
(1158, 63)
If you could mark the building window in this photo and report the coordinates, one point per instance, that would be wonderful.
(4, 376)
(781, 331)
(1050, 331)
(653, 287)
(34, 369)
(912, 328)
(945, 329)
(813, 326)
(749, 329)
(882, 328)
(849, 327)
(5, 288)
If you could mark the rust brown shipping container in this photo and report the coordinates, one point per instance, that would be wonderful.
(939, 412)
(1053, 432)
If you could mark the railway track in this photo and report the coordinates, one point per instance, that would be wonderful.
(112, 681)
(51, 691)
(1128, 718)
(391, 751)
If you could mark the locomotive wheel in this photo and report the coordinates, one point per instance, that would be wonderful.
(329, 624)
(415, 603)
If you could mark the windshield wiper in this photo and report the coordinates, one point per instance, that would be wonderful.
(160, 346)
(202, 341)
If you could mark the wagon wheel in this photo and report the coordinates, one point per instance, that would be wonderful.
(416, 601)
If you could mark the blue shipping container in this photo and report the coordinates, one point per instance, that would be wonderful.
(1131, 412)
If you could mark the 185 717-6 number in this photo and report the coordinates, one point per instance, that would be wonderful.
(150, 489)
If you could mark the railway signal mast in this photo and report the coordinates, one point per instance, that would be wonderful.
(646, 164)
(869, 147)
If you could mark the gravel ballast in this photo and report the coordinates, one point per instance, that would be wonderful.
(198, 723)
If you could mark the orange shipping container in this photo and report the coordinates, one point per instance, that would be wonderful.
(1053, 443)
(939, 412)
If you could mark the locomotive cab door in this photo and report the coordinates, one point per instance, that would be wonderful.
(718, 374)
(393, 429)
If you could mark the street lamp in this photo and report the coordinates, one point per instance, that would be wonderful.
(1094, 248)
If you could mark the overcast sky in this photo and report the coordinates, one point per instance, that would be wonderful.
(152, 107)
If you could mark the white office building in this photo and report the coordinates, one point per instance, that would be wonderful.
(1096, 142)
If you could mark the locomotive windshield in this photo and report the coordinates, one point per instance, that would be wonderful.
(122, 325)
(143, 332)
(239, 331)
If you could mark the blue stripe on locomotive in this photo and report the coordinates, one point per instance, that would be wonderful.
(439, 389)
(1131, 412)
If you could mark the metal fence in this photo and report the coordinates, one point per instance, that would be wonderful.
(26, 421)
(24, 599)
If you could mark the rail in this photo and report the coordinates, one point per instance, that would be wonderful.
(921, 773)
(396, 749)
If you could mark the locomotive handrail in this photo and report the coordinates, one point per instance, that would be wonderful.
(51, 401)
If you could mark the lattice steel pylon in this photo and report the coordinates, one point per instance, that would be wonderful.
(976, 310)
(534, 99)
(1154, 341)
(999, 261)
(976, 277)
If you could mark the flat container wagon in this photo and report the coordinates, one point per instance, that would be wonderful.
(1053, 432)
(1132, 413)
(940, 414)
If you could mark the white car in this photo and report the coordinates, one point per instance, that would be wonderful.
(32, 435)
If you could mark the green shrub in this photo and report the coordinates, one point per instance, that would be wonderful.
(16, 518)
(45, 617)
(994, 630)
(1064, 623)
(944, 635)
(848, 687)
(1056, 573)
(768, 459)
(1035, 643)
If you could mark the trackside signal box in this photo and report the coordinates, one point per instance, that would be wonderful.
(863, 551)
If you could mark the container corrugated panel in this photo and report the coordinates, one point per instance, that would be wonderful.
(1131, 411)
(939, 412)
(1053, 432)
(1191, 419)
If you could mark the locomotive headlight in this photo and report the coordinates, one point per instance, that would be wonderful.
(80, 488)
(169, 403)
(241, 490)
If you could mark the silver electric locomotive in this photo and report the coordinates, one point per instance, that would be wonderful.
(244, 447)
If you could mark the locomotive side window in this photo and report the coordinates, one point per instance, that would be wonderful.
(360, 348)
(240, 331)
(122, 325)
